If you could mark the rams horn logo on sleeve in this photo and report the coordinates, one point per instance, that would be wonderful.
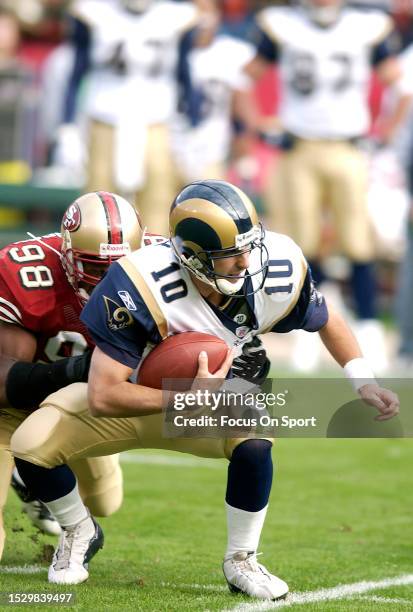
(118, 317)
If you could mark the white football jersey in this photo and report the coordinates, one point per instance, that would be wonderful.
(324, 71)
(177, 306)
(216, 72)
(146, 47)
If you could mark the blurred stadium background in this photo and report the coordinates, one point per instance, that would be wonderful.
(341, 511)
(44, 165)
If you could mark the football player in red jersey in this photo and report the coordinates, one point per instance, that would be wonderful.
(44, 283)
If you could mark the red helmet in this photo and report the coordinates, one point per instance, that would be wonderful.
(97, 229)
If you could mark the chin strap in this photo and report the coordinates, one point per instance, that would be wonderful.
(227, 288)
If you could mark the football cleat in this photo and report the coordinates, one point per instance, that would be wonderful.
(36, 510)
(41, 517)
(245, 575)
(77, 546)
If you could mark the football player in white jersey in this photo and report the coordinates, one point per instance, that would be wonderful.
(325, 51)
(127, 50)
(211, 93)
(219, 264)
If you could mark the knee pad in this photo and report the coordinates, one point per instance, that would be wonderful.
(38, 438)
(46, 436)
(100, 483)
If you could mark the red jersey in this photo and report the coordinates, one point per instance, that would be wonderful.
(35, 294)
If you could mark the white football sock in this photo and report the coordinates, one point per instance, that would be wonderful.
(68, 510)
(244, 529)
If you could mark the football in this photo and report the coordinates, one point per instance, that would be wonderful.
(177, 358)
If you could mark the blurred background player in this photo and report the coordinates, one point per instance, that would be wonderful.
(44, 283)
(125, 60)
(325, 51)
(403, 142)
(212, 93)
(16, 111)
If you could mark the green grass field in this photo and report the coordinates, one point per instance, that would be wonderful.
(340, 513)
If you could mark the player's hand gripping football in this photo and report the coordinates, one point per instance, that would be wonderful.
(214, 380)
(386, 402)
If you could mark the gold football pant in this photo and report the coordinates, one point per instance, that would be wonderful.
(63, 430)
(315, 175)
(99, 478)
(161, 182)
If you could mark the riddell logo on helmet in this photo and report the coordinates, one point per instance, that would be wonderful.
(114, 249)
(72, 217)
(242, 240)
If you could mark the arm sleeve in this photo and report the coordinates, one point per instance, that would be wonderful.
(310, 312)
(120, 332)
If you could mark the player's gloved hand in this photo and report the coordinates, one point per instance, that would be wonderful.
(253, 364)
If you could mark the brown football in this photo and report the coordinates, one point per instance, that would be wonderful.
(176, 357)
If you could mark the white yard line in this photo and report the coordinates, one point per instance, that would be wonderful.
(385, 600)
(171, 460)
(23, 569)
(343, 591)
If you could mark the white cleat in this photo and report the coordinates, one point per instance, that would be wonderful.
(245, 575)
(76, 547)
(41, 517)
(37, 511)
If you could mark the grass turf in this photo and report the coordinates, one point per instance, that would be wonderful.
(340, 513)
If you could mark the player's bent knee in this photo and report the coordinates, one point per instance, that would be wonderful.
(100, 483)
(253, 452)
(37, 439)
(106, 502)
(232, 443)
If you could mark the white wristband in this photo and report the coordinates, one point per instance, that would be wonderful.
(359, 373)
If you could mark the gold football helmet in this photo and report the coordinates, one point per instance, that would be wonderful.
(210, 220)
(97, 229)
